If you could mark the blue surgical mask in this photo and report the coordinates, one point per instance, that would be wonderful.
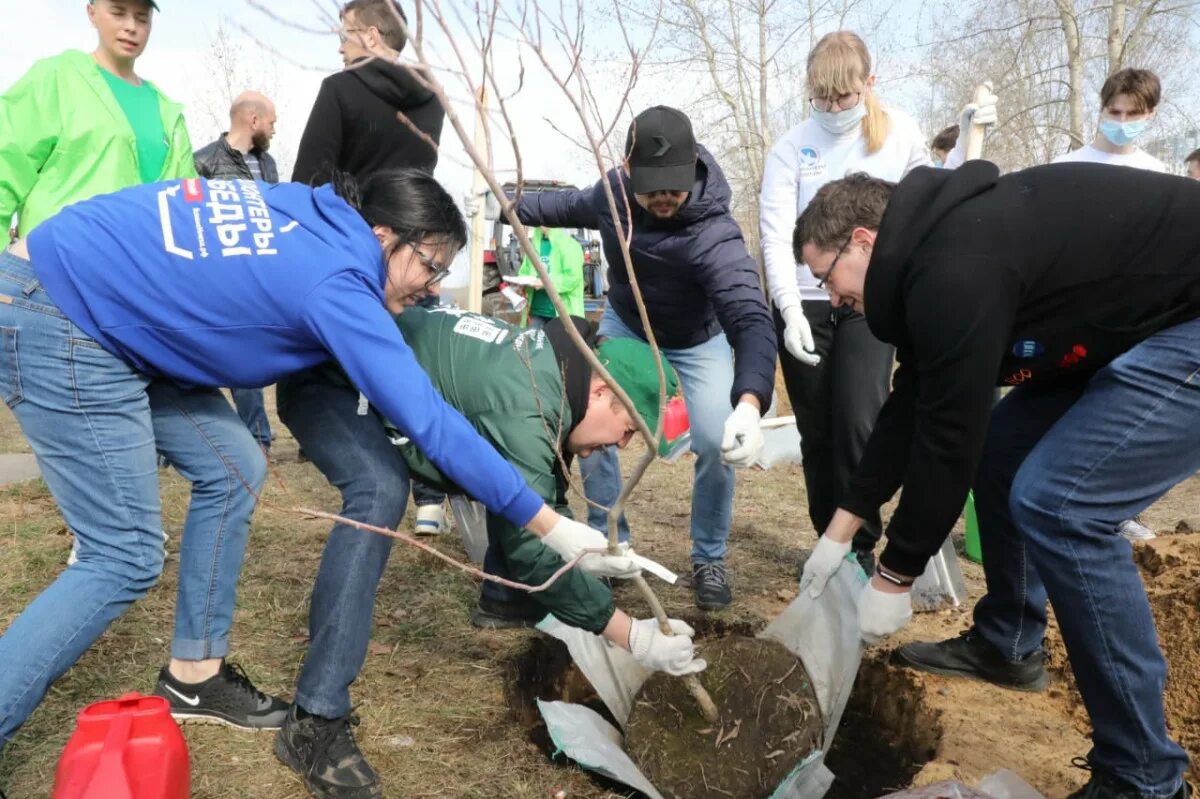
(839, 123)
(1122, 133)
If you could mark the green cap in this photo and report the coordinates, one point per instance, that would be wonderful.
(631, 363)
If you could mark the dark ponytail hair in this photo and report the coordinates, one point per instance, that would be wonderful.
(409, 201)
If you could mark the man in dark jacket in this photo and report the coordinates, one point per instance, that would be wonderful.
(374, 114)
(1079, 286)
(700, 284)
(242, 153)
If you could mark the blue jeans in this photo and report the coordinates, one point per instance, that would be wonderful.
(253, 412)
(1062, 467)
(706, 375)
(90, 421)
(355, 455)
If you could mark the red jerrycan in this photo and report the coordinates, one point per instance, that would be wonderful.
(675, 419)
(127, 748)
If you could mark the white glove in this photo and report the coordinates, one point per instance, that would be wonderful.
(568, 538)
(743, 440)
(821, 565)
(798, 338)
(673, 654)
(982, 113)
(880, 614)
(470, 205)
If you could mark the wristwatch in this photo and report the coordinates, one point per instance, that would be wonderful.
(894, 579)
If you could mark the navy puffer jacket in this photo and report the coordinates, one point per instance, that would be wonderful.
(694, 270)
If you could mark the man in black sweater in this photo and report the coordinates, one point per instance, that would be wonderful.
(374, 114)
(1078, 285)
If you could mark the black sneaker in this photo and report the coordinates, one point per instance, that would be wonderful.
(324, 752)
(492, 615)
(969, 655)
(1106, 786)
(227, 698)
(711, 584)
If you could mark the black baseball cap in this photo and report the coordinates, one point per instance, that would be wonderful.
(661, 150)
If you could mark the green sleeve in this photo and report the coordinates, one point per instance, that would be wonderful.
(30, 127)
(568, 278)
(180, 162)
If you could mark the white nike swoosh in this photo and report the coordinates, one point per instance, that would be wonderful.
(192, 701)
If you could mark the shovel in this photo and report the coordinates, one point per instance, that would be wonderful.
(941, 585)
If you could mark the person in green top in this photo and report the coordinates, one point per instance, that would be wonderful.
(81, 124)
(563, 258)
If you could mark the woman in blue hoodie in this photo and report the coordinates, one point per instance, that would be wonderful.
(215, 283)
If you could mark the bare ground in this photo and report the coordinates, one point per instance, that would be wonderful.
(435, 718)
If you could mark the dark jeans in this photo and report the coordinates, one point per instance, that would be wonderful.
(355, 455)
(836, 403)
(253, 412)
(424, 495)
(1061, 468)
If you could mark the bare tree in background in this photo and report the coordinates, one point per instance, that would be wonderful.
(1048, 59)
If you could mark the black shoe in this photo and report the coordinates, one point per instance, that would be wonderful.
(969, 655)
(227, 698)
(324, 752)
(866, 559)
(711, 584)
(1106, 786)
(492, 615)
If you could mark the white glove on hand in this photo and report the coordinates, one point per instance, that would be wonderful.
(983, 113)
(673, 654)
(821, 565)
(880, 614)
(743, 440)
(568, 538)
(470, 205)
(798, 338)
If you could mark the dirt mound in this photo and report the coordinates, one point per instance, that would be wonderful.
(770, 722)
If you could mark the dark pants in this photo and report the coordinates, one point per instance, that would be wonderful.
(253, 411)
(836, 403)
(355, 455)
(425, 495)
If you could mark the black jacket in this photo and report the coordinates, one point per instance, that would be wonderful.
(219, 160)
(355, 125)
(694, 270)
(1038, 277)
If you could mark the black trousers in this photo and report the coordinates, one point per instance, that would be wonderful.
(836, 403)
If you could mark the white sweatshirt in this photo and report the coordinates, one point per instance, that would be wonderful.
(800, 163)
(1139, 158)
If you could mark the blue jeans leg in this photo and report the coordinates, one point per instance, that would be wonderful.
(253, 412)
(209, 446)
(1129, 439)
(1012, 615)
(86, 416)
(601, 476)
(706, 376)
(355, 455)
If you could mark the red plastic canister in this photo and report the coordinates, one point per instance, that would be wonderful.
(675, 419)
(127, 748)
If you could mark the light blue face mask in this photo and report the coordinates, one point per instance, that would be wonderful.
(1122, 133)
(839, 123)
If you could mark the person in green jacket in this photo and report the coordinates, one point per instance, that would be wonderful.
(563, 258)
(81, 124)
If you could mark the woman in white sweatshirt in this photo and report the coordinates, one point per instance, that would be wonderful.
(837, 374)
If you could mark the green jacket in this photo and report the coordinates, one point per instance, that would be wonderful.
(507, 383)
(566, 269)
(64, 138)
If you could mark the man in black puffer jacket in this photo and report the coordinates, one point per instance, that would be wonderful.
(242, 151)
(364, 117)
(700, 284)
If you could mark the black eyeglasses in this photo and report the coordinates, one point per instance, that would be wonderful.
(824, 281)
(439, 270)
(844, 102)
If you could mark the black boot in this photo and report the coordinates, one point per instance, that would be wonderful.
(492, 615)
(324, 752)
(969, 655)
(1105, 786)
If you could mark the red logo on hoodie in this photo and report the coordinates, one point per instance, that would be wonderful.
(1077, 354)
(193, 190)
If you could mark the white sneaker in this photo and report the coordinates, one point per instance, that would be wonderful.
(1133, 530)
(73, 558)
(430, 519)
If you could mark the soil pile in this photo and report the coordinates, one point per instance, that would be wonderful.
(770, 721)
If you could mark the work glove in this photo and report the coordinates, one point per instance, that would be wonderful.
(880, 613)
(982, 113)
(743, 440)
(673, 654)
(568, 538)
(821, 565)
(798, 338)
(470, 205)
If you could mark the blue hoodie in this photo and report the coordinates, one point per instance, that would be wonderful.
(238, 283)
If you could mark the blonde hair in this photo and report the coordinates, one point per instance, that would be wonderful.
(838, 65)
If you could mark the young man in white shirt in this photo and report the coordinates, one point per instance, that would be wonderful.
(1128, 101)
